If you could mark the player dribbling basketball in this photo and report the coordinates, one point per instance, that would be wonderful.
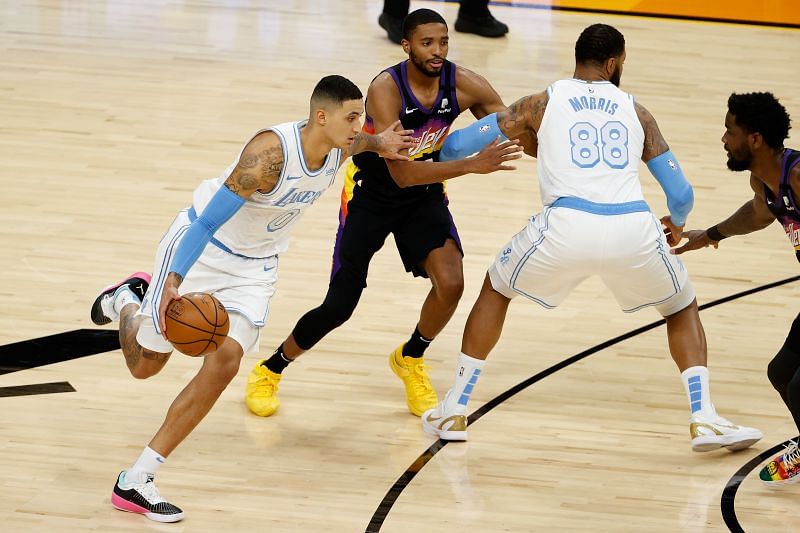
(226, 244)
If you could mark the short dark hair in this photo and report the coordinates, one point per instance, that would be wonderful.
(598, 43)
(761, 113)
(335, 89)
(419, 17)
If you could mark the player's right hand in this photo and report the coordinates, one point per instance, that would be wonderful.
(169, 293)
(698, 238)
(395, 139)
(494, 155)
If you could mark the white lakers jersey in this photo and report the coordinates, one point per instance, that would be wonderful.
(590, 143)
(262, 226)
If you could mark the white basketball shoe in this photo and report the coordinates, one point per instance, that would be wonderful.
(711, 432)
(446, 424)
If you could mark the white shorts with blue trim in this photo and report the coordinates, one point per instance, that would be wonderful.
(562, 246)
(244, 286)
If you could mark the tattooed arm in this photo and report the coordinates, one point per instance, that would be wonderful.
(654, 142)
(523, 119)
(259, 166)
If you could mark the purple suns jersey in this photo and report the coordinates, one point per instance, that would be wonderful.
(784, 207)
(430, 126)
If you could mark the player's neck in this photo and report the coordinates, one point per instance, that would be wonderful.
(315, 146)
(586, 73)
(767, 168)
(420, 80)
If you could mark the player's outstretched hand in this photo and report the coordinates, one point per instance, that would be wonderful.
(494, 155)
(169, 293)
(394, 140)
(698, 238)
(674, 233)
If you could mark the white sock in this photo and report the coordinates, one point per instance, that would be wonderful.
(123, 297)
(467, 371)
(147, 463)
(698, 391)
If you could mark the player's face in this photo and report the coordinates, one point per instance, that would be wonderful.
(736, 144)
(344, 123)
(427, 48)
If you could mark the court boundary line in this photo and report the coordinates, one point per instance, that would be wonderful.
(728, 500)
(388, 501)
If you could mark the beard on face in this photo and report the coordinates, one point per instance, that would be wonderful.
(738, 165)
(739, 162)
(423, 67)
(616, 77)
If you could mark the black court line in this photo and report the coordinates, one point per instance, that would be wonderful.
(643, 14)
(729, 494)
(37, 388)
(388, 501)
(56, 349)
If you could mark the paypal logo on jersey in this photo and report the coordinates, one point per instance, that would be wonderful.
(293, 196)
(593, 103)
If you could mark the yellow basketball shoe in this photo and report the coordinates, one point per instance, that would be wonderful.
(261, 395)
(420, 395)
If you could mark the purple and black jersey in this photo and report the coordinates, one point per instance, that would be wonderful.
(430, 126)
(784, 207)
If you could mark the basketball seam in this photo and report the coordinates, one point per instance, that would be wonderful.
(214, 326)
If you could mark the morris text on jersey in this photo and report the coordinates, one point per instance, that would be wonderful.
(593, 103)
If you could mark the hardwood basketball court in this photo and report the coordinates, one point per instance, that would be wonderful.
(111, 114)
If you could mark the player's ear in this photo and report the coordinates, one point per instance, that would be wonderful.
(406, 45)
(756, 140)
(321, 116)
(610, 65)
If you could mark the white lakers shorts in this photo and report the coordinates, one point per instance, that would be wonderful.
(561, 246)
(243, 285)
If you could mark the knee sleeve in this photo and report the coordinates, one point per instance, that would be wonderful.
(337, 308)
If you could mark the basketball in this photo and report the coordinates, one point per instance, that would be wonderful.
(197, 324)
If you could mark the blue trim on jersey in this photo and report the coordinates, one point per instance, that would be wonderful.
(336, 168)
(579, 204)
(162, 274)
(528, 254)
(665, 259)
(193, 216)
(303, 157)
(259, 324)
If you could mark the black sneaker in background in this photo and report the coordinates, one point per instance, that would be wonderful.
(393, 27)
(484, 25)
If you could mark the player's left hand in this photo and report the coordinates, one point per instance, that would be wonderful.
(168, 293)
(394, 140)
(674, 233)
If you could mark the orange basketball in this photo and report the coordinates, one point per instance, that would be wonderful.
(197, 323)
